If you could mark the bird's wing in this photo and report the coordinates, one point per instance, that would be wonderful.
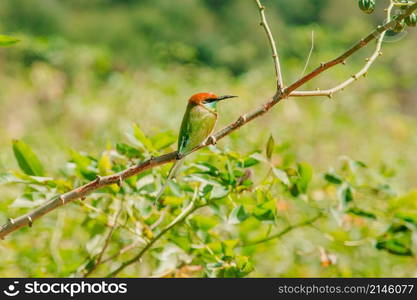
(184, 134)
(196, 127)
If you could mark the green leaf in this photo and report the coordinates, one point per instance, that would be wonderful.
(333, 178)
(244, 265)
(294, 190)
(249, 162)
(207, 168)
(8, 178)
(203, 222)
(281, 176)
(163, 140)
(396, 240)
(84, 165)
(175, 188)
(141, 137)
(270, 145)
(305, 172)
(218, 192)
(345, 194)
(228, 246)
(8, 40)
(265, 211)
(359, 212)
(238, 215)
(104, 164)
(173, 201)
(128, 151)
(410, 217)
(26, 158)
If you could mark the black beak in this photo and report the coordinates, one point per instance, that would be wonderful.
(224, 97)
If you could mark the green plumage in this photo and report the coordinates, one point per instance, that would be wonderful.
(197, 124)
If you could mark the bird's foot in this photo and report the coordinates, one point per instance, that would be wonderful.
(211, 140)
(179, 156)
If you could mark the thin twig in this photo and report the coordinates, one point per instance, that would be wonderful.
(106, 221)
(362, 72)
(81, 192)
(309, 54)
(284, 231)
(264, 24)
(342, 58)
(98, 260)
(121, 251)
(180, 218)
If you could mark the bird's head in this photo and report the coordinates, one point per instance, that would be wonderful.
(208, 99)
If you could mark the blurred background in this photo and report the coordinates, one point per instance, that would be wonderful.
(84, 71)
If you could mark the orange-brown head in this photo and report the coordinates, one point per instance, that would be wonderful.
(205, 98)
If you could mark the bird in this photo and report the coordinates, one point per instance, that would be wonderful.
(197, 125)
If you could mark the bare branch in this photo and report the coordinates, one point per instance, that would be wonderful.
(362, 72)
(100, 182)
(81, 192)
(309, 54)
(342, 58)
(264, 24)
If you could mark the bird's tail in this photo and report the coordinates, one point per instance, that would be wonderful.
(172, 173)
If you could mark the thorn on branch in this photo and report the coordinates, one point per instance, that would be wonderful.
(354, 77)
(211, 140)
(30, 221)
(62, 199)
(10, 220)
(330, 95)
(380, 53)
(343, 62)
(98, 179)
(120, 181)
(242, 119)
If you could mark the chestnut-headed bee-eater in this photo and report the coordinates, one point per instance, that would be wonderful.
(197, 125)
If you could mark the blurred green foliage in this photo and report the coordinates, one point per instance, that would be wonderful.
(85, 71)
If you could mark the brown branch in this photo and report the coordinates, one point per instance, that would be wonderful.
(81, 192)
(362, 72)
(342, 58)
(117, 178)
(277, 65)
